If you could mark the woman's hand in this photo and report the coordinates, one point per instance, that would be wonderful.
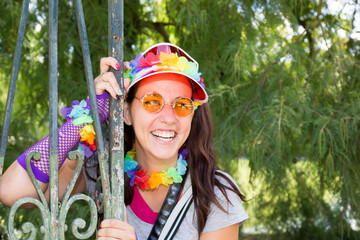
(115, 229)
(111, 229)
(106, 80)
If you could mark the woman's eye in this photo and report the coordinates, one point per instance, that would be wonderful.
(182, 105)
(152, 102)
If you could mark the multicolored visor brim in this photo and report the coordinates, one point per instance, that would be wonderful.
(168, 58)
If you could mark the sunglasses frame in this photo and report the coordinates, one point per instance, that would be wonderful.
(172, 104)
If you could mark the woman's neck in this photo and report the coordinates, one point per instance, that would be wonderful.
(150, 163)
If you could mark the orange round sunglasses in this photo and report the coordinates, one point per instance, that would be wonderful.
(153, 102)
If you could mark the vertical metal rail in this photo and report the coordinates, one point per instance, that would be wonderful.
(103, 161)
(12, 85)
(53, 103)
(116, 138)
(53, 214)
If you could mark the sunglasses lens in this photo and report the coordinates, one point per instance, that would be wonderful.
(183, 107)
(153, 102)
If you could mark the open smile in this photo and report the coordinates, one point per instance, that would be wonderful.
(165, 136)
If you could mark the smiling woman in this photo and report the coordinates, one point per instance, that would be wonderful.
(159, 135)
(171, 176)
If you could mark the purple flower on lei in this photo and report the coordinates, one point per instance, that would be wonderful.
(130, 167)
(132, 175)
(85, 149)
(184, 153)
(135, 71)
(88, 105)
(65, 111)
(135, 62)
(75, 102)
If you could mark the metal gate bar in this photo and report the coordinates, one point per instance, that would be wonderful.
(53, 116)
(103, 163)
(54, 213)
(116, 138)
(12, 85)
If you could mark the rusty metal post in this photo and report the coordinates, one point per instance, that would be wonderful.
(53, 214)
(53, 116)
(12, 85)
(103, 161)
(116, 138)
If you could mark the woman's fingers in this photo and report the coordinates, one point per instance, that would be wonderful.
(115, 223)
(127, 65)
(110, 78)
(102, 86)
(111, 232)
(107, 81)
(107, 62)
(113, 228)
(127, 80)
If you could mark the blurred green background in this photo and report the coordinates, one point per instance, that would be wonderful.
(283, 79)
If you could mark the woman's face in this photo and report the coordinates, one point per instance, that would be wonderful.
(159, 135)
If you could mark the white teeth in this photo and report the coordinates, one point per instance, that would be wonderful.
(164, 135)
(165, 139)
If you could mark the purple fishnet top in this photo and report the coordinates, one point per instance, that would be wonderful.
(68, 138)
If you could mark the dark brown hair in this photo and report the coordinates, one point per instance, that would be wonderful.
(201, 164)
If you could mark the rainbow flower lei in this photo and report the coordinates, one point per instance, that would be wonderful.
(163, 62)
(81, 114)
(138, 176)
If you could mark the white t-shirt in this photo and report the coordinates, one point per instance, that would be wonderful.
(216, 220)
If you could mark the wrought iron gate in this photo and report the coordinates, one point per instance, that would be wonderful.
(54, 213)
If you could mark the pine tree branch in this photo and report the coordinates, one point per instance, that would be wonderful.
(308, 34)
(228, 89)
(353, 18)
(332, 59)
(280, 116)
(307, 27)
(189, 10)
(236, 124)
(228, 5)
(99, 21)
(350, 42)
(160, 28)
(259, 106)
(258, 135)
(267, 71)
(281, 105)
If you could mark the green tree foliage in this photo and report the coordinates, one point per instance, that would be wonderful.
(283, 78)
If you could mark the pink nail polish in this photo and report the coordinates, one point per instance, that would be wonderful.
(117, 66)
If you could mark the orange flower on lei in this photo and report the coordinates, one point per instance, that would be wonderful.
(87, 134)
(155, 180)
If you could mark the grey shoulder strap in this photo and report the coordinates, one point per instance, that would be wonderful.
(178, 213)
